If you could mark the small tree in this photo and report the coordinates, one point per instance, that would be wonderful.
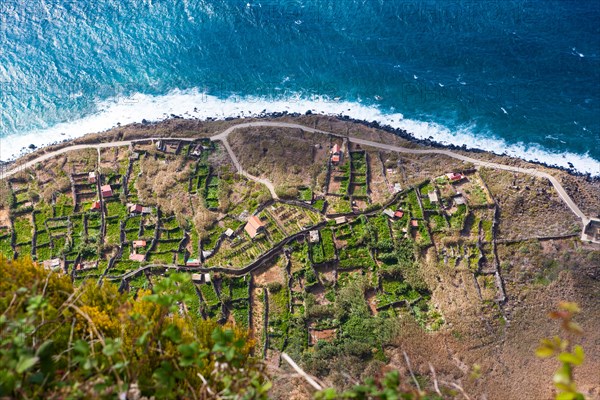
(274, 287)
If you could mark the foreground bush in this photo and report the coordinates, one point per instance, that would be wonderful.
(93, 342)
(61, 342)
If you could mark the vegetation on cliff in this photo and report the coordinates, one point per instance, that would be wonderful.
(93, 342)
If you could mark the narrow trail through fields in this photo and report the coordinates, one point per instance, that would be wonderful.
(223, 137)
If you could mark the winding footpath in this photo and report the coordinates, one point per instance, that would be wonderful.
(529, 171)
(223, 137)
(241, 171)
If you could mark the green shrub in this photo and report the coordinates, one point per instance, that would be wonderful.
(95, 344)
(274, 287)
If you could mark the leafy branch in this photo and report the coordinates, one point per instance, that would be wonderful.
(565, 351)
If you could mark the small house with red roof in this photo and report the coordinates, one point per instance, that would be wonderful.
(254, 226)
(106, 191)
(137, 257)
(136, 209)
(96, 206)
(192, 262)
(399, 214)
(336, 153)
(455, 176)
(139, 243)
(414, 223)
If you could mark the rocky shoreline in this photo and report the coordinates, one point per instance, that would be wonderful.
(276, 115)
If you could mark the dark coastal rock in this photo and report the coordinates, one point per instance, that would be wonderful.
(430, 142)
(405, 135)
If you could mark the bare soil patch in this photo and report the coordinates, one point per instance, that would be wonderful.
(270, 273)
(4, 217)
(326, 334)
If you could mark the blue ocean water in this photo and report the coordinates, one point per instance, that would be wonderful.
(515, 76)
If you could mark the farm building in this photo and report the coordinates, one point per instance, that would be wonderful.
(193, 262)
(455, 176)
(389, 213)
(313, 236)
(139, 243)
(254, 226)
(340, 220)
(95, 206)
(458, 200)
(53, 264)
(136, 257)
(433, 197)
(106, 191)
(136, 209)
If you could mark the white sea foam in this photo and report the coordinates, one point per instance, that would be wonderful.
(195, 104)
(576, 53)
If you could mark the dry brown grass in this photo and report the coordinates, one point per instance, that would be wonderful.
(80, 161)
(475, 334)
(164, 182)
(273, 271)
(203, 219)
(585, 194)
(168, 128)
(529, 206)
(4, 195)
(412, 169)
(346, 128)
(380, 191)
(288, 157)
(113, 159)
(537, 276)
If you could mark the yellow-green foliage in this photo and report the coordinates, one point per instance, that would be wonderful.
(565, 351)
(94, 342)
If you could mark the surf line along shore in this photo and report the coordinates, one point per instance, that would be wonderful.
(223, 136)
